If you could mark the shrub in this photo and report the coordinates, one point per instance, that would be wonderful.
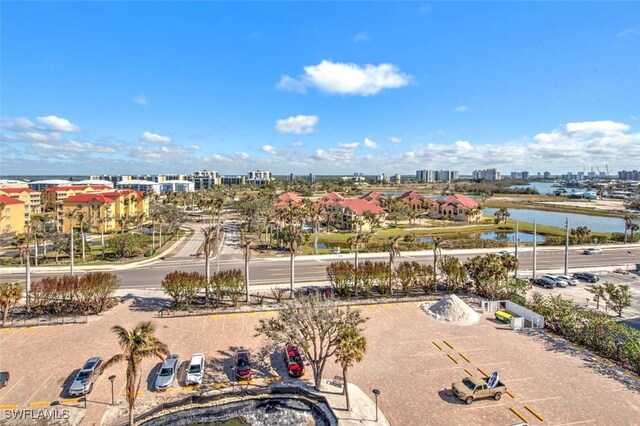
(127, 245)
(183, 287)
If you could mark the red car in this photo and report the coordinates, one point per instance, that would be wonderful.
(242, 365)
(293, 361)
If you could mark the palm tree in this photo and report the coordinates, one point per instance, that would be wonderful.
(292, 216)
(209, 239)
(70, 216)
(246, 249)
(81, 217)
(315, 213)
(628, 221)
(437, 251)
(103, 220)
(394, 250)
(10, 294)
(502, 214)
(136, 345)
(351, 347)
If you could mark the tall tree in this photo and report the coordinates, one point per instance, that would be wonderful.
(246, 249)
(81, 219)
(10, 294)
(209, 241)
(314, 326)
(351, 347)
(136, 345)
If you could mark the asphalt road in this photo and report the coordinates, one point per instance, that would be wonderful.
(313, 268)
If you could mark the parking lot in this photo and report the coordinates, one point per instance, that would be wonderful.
(411, 358)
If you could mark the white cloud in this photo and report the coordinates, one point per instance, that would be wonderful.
(462, 108)
(349, 145)
(347, 78)
(243, 155)
(141, 100)
(194, 147)
(299, 125)
(361, 37)
(154, 137)
(424, 8)
(605, 127)
(370, 143)
(35, 137)
(59, 124)
(395, 139)
(18, 124)
(297, 143)
(268, 149)
(629, 33)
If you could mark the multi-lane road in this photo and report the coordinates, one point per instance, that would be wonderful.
(313, 268)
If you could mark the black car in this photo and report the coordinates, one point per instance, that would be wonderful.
(586, 276)
(543, 282)
(4, 378)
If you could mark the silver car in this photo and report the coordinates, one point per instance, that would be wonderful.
(167, 372)
(570, 280)
(83, 382)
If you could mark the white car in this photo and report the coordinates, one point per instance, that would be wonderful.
(591, 250)
(570, 280)
(195, 370)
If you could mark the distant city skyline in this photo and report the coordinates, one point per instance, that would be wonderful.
(330, 89)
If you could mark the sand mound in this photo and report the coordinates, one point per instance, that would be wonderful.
(452, 309)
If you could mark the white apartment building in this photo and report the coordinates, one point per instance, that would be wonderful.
(487, 174)
(178, 186)
(140, 185)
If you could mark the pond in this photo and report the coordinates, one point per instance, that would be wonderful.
(490, 235)
(595, 223)
(543, 188)
(257, 412)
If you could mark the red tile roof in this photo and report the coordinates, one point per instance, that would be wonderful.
(372, 197)
(460, 200)
(333, 196)
(16, 190)
(8, 200)
(287, 199)
(360, 206)
(85, 198)
(411, 195)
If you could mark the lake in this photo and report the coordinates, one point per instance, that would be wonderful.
(543, 188)
(595, 223)
(491, 235)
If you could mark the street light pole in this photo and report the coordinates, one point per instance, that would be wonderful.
(535, 237)
(111, 379)
(566, 247)
(376, 392)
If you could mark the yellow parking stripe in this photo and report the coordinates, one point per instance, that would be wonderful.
(447, 343)
(532, 411)
(70, 400)
(39, 404)
(482, 371)
(7, 330)
(31, 329)
(8, 407)
(191, 387)
(244, 382)
(220, 385)
(520, 416)
(511, 395)
(452, 359)
(272, 379)
(468, 372)
(464, 357)
(436, 345)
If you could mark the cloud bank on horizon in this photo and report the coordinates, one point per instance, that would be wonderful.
(62, 146)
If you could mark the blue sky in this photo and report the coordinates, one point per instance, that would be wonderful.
(325, 88)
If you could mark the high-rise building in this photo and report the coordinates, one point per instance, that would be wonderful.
(520, 175)
(629, 175)
(487, 174)
(428, 176)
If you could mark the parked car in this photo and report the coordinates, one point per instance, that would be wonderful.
(570, 280)
(561, 282)
(196, 370)
(546, 281)
(167, 373)
(586, 276)
(504, 252)
(293, 360)
(470, 388)
(4, 379)
(591, 250)
(83, 382)
(242, 365)
(88, 238)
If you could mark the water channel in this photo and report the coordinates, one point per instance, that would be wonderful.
(595, 223)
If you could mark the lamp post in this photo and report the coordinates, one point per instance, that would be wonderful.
(516, 250)
(566, 247)
(376, 392)
(111, 379)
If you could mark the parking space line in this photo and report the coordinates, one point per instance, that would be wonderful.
(542, 399)
(11, 388)
(272, 379)
(244, 382)
(464, 357)
(7, 330)
(40, 387)
(220, 385)
(517, 413)
(483, 372)
(40, 404)
(70, 400)
(468, 372)
(31, 329)
(448, 344)
(436, 345)
(191, 387)
(534, 412)
(8, 407)
(510, 394)
(452, 359)
(577, 423)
